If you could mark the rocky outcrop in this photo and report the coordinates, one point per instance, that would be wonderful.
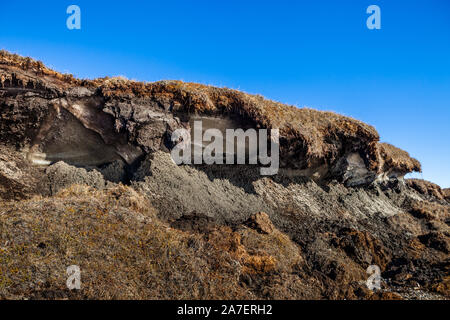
(126, 120)
(338, 204)
(18, 179)
(62, 175)
(395, 162)
(260, 221)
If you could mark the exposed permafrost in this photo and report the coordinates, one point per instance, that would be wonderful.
(356, 172)
(93, 123)
(78, 135)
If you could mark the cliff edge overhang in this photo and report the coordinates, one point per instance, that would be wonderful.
(42, 110)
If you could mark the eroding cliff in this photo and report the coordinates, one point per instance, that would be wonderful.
(130, 119)
(86, 178)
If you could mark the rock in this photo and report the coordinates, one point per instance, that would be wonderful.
(355, 171)
(224, 194)
(261, 222)
(61, 175)
(12, 180)
(115, 171)
(18, 178)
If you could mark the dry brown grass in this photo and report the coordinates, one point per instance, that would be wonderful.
(446, 193)
(426, 188)
(397, 159)
(430, 211)
(315, 137)
(125, 252)
(36, 67)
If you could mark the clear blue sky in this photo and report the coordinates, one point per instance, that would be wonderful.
(306, 53)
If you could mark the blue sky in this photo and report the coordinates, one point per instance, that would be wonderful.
(306, 53)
